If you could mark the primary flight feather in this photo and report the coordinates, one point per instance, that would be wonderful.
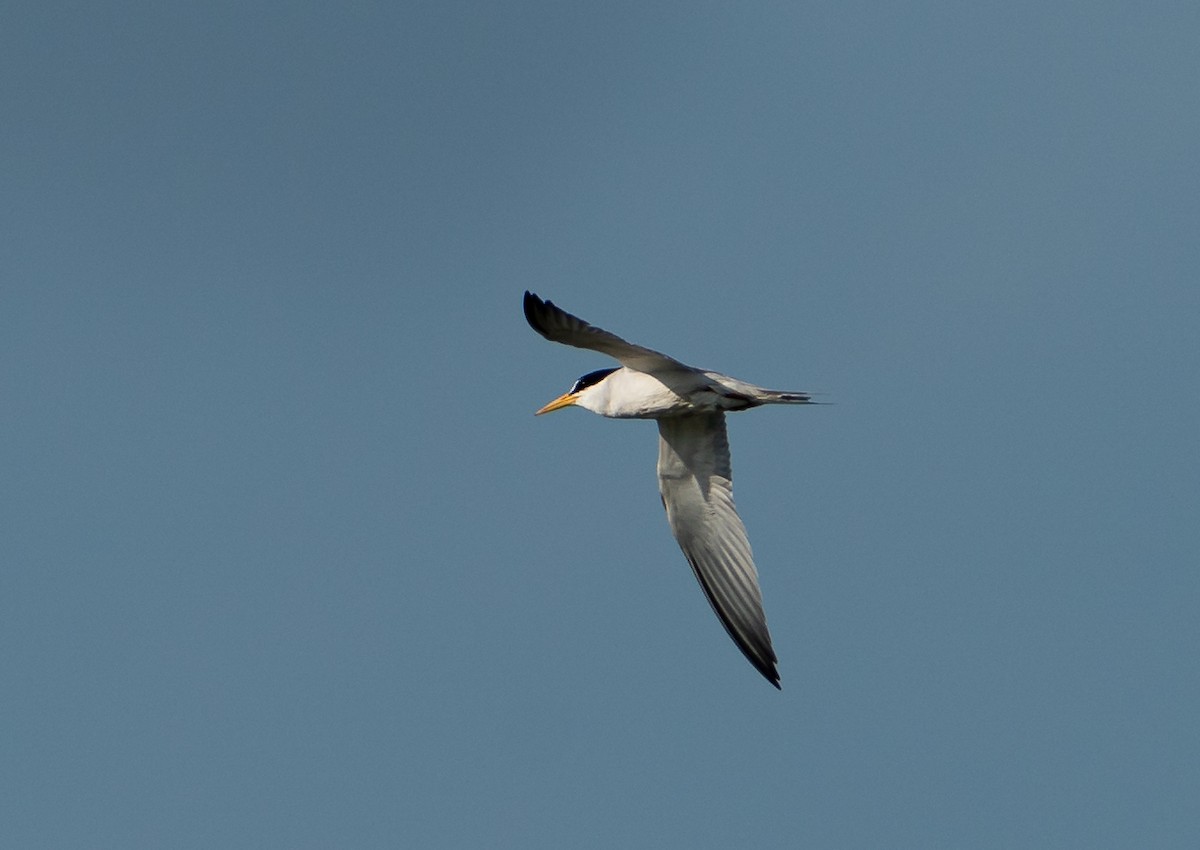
(694, 475)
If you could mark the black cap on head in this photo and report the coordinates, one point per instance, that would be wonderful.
(591, 379)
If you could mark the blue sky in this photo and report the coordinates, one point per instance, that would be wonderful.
(290, 563)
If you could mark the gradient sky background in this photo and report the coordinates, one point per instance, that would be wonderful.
(288, 562)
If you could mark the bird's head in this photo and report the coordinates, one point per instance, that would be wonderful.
(587, 393)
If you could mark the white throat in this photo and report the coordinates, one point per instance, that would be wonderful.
(627, 394)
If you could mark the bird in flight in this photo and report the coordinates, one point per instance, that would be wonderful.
(694, 475)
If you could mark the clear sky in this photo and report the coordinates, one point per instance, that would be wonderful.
(288, 562)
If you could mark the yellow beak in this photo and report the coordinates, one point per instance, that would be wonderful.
(565, 400)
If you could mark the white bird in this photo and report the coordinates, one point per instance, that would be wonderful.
(694, 474)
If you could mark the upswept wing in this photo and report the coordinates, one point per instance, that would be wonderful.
(557, 325)
(695, 480)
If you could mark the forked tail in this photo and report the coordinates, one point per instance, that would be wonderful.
(740, 395)
(780, 397)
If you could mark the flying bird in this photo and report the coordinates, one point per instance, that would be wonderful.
(694, 476)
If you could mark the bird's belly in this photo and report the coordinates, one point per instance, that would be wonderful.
(667, 404)
(643, 396)
(638, 395)
(672, 404)
(654, 411)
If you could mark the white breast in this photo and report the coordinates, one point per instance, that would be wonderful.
(626, 394)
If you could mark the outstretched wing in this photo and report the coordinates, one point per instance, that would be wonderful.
(695, 480)
(557, 325)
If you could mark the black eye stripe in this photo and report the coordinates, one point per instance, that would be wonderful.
(591, 379)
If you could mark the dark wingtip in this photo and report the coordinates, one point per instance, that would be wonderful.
(766, 666)
(532, 304)
(768, 670)
(534, 307)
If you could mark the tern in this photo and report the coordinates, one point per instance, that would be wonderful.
(694, 475)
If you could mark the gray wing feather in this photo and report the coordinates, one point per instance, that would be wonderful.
(557, 325)
(695, 480)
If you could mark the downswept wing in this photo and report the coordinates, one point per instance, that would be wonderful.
(695, 480)
(557, 325)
